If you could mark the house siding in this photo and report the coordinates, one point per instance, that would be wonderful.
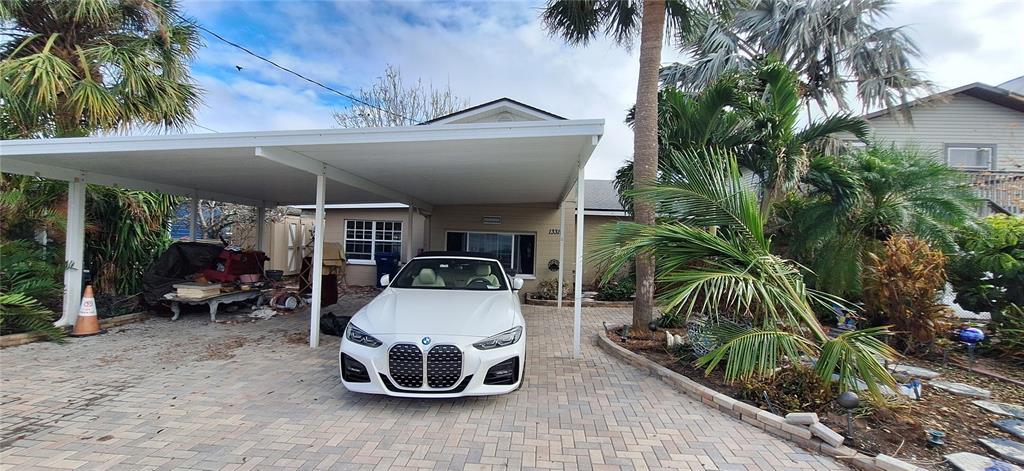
(366, 274)
(537, 219)
(961, 120)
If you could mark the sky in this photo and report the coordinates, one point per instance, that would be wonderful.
(488, 50)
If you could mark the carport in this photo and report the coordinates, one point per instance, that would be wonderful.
(421, 166)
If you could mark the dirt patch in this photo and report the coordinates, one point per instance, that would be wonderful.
(297, 338)
(224, 349)
(898, 430)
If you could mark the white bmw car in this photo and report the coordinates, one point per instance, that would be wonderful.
(448, 325)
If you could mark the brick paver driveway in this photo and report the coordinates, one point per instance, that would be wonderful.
(190, 394)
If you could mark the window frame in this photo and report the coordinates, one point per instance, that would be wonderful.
(373, 238)
(962, 145)
(525, 276)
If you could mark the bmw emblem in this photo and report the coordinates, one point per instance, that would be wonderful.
(425, 341)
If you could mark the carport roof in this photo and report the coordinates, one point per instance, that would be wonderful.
(426, 165)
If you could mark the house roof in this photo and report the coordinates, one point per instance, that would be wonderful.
(1014, 85)
(600, 195)
(995, 95)
(491, 105)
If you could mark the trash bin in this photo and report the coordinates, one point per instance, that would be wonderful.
(387, 264)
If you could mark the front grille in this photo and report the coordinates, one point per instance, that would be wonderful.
(405, 363)
(444, 366)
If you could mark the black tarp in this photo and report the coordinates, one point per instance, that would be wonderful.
(180, 260)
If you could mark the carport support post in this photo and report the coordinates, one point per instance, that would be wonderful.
(193, 213)
(74, 251)
(578, 285)
(561, 249)
(318, 262)
(261, 218)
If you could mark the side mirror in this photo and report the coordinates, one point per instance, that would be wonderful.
(517, 284)
(385, 280)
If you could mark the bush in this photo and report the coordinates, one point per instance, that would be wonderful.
(902, 287)
(988, 275)
(616, 290)
(796, 388)
(28, 278)
(1008, 332)
(548, 289)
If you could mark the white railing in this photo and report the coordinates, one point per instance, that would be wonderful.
(1003, 189)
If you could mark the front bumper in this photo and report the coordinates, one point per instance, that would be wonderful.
(471, 381)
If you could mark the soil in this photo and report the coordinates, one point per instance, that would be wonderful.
(897, 430)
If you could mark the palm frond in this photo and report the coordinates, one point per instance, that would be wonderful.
(753, 352)
(855, 355)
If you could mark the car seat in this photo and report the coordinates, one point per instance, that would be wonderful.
(427, 277)
(483, 270)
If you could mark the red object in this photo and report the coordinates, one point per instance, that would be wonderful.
(231, 265)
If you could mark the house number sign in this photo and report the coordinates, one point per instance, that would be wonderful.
(554, 231)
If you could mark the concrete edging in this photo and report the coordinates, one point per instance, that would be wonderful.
(13, 340)
(753, 415)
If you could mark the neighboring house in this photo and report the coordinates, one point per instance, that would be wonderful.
(977, 128)
(525, 237)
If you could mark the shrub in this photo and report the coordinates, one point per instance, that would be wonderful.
(988, 275)
(1008, 332)
(617, 290)
(548, 289)
(795, 388)
(902, 287)
(28, 278)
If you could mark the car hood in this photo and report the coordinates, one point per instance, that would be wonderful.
(438, 312)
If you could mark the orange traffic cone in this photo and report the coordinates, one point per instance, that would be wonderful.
(87, 322)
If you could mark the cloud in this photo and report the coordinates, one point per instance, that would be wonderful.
(486, 50)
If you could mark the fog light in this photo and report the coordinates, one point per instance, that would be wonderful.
(504, 373)
(352, 371)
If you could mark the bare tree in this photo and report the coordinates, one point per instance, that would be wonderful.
(390, 102)
(236, 223)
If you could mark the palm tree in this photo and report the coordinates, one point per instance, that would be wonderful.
(578, 22)
(831, 44)
(754, 114)
(71, 68)
(730, 275)
(855, 202)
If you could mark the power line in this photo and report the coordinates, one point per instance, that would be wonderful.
(279, 66)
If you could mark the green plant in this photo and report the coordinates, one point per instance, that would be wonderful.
(834, 46)
(988, 273)
(795, 388)
(126, 231)
(624, 21)
(715, 261)
(754, 114)
(74, 67)
(28, 274)
(902, 286)
(1008, 332)
(615, 290)
(855, 202)
(548, 289)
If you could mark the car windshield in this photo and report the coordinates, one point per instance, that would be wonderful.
(452, 274)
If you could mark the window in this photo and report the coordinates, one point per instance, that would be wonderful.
(364, 239)
(451, 273)
(970, 156)
(514, 251)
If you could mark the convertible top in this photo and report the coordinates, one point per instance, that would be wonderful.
(452, 253)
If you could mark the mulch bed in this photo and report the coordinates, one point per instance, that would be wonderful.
(898, 431)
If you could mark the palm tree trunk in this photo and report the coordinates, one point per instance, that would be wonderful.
(645, 148)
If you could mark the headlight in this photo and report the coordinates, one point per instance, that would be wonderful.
(357, 335)
(503, 339)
